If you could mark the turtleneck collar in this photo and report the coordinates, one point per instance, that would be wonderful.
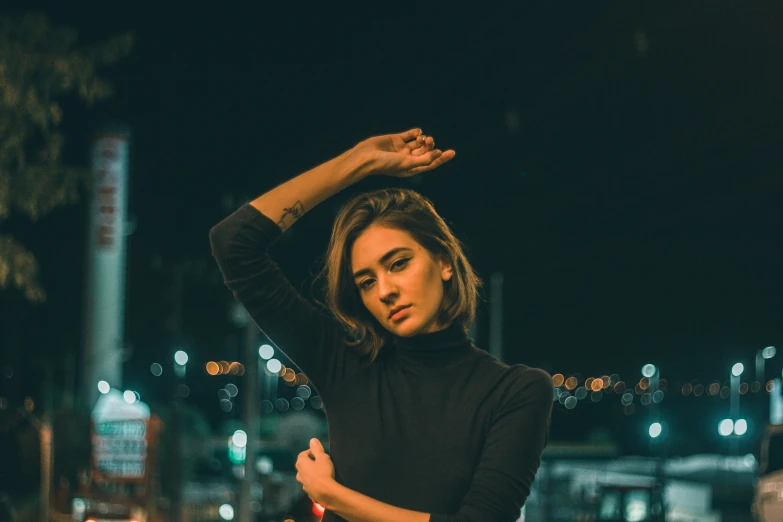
(434, 350)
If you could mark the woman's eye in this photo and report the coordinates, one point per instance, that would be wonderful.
(400, 264)
(365, 284)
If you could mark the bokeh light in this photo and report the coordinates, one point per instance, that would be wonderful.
(181, 358)
(129, 396)
(239, 439)
(273, 365)
(183, 390)
(266, 352)
(226, 512)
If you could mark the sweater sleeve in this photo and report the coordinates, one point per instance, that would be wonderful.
(310, 338)
(512, 452)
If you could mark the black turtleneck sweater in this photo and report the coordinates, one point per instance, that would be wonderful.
(434, 424)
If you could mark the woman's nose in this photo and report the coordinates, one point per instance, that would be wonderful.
(386, 289)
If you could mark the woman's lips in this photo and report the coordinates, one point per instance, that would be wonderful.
(400, 315)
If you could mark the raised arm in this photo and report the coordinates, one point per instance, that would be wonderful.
(240, 244)
(397, 155)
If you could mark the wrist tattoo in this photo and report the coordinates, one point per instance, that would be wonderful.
(295, 211)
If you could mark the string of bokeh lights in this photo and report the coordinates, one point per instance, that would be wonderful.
(570, 393)
(272, 368)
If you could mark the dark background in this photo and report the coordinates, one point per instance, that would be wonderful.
(619, 162)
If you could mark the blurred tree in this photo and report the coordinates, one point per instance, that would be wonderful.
(39, 63)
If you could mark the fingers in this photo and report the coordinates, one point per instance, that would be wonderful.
(306, 454)
(410, 134)
(425, 144)
(430, 160)
(416, 144)
(316, 447)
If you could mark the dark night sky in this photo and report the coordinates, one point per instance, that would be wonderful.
(634, 211)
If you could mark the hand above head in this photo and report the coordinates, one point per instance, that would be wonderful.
(315, 472)
(401, 155)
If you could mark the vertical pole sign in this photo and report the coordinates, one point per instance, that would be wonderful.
(105, 289)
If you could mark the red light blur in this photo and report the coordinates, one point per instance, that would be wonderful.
(318, 509)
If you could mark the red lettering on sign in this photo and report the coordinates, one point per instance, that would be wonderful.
(107, 209)
(105, 235)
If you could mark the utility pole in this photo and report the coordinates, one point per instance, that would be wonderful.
(496, 316)
(177, 509)
(252, 419)
(44, 428)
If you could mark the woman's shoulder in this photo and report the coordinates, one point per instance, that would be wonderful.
(524, 380)
(531, 373)
(514, 371)
(510, 379)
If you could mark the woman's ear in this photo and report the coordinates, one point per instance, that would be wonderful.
(446, 270)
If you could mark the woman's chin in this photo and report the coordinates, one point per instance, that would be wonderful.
(405, 329)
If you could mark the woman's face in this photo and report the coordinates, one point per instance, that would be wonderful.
(393, 272)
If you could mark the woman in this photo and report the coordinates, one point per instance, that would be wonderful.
(422, 424)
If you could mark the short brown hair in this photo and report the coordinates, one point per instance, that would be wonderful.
(409, 211)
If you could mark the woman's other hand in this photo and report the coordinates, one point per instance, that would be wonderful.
(315, 472)
(401, 155)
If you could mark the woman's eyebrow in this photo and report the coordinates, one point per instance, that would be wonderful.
(385, 257)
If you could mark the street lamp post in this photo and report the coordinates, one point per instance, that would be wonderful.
(761, 359)
(656, 440)
(734, 401)
(736, 373)
(651, 372)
